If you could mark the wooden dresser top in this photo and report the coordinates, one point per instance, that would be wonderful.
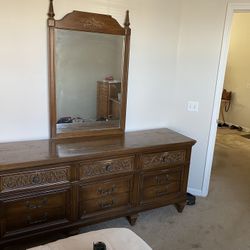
(34, 153)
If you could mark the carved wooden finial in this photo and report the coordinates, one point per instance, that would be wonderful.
(51, 13)
(127, 22)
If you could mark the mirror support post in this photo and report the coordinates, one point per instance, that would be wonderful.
(51, 52)
(125, 70)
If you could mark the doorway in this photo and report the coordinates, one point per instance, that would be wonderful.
(231, 10)
(235, 105)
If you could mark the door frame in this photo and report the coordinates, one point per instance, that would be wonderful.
(231, 9)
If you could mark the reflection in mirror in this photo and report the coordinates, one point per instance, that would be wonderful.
(88, 80)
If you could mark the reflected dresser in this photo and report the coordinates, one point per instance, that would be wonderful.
(108, 101)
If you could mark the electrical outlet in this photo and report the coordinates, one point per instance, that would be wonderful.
(193, 106)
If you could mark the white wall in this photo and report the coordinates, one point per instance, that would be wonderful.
(155, 29)
(198, 58)
(200, 40)
(175, 51)
(23, 68)
(237, 78)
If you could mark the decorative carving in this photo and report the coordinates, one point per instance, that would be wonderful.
(91, 23)
(34, 178)
(163, 159)
(106, 167)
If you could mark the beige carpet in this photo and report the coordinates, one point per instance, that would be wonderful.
(219, 222)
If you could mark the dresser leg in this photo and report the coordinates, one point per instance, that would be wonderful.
(132, 219)
(180, 206)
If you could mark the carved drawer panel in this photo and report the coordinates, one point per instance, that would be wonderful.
(104, 204)
(161, 191)
(105, 188)
(106, 167)
(34, 178)
(35, 211)
(161, 178)
(163, 159)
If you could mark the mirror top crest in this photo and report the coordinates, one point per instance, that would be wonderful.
(89, 22)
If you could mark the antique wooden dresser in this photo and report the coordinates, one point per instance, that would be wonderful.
(52, 185)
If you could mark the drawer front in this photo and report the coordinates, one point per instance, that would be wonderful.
(34, 178)
(161, 191)
(104, 204)
(161, 178)
(28, 212)
(105, 188)
(168, 158)
(106, 167)
(106, 195)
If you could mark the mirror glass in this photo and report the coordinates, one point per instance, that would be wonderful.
(88, 70)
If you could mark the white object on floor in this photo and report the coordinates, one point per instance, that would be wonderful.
(114, 238)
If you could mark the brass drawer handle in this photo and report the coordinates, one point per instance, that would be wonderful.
(108, 167)
(105, 192)
(161, 193)
(164, 159)
(39, 204)
(33, 222)
(35, 180)
(104, 204)
(162, 179)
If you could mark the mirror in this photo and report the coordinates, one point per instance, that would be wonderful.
(88, 83)
(88, 74)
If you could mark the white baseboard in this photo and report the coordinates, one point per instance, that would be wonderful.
(196, 192)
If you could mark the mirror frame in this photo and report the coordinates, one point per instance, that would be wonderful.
(95, 23)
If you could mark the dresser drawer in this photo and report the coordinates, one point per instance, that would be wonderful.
(105, 188)
(106, 167)
(161, 191)
(168, 158)
(161, 178)
(104, 204)
(34, 211)
(34, 178)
